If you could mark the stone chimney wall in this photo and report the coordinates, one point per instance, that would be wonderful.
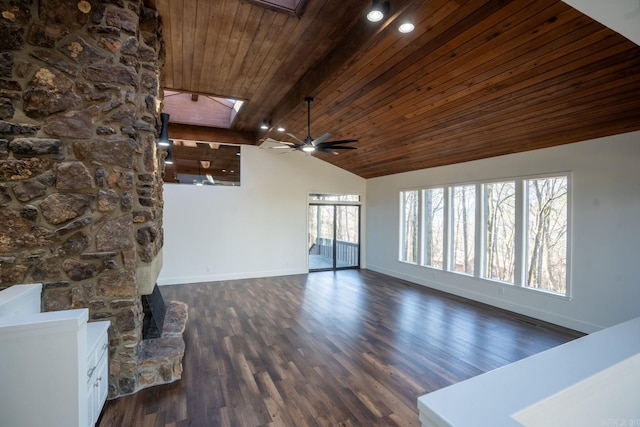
(80, 174)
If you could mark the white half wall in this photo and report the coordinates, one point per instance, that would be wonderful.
(605, 279)
(258, 229)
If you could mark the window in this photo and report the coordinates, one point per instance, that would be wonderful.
(433, 227)
(464, 224)
(409, 226)
(547, 234)
(500, 228)
(513, 231)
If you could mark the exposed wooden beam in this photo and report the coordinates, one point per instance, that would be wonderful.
(208, 134)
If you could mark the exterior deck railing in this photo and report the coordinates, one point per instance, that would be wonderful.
(346, 252)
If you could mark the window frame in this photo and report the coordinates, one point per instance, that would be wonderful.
(480, 232)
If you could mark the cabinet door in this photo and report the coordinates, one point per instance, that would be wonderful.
(102, 389)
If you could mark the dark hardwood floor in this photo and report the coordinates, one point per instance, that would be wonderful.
(348, 348)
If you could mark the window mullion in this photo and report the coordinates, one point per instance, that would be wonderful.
(520, 234)
(447, 231)
(481, 233)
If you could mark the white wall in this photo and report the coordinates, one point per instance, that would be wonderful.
(605, 284)
(622, 16)
(256, 230)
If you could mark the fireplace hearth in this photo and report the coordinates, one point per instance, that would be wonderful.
(154, 310)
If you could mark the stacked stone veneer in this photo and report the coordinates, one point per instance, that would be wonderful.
(80, 174)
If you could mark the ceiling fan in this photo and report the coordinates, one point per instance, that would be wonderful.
(319, 144)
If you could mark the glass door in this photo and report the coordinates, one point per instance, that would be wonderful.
(334, 236)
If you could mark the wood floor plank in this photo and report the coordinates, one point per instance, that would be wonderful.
(348, 348)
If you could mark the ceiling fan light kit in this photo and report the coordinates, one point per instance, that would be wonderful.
(320, 144)
(266, 124)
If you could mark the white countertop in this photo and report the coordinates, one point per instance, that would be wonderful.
(491, 399)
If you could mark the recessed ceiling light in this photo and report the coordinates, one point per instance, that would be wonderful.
(406, 27)
(378, 11)
(281, 128)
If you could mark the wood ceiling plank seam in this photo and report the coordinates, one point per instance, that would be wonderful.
(477, 96)
(200, 30)
(550, 100)
(513, 83)
(224, 34)
(435, 160)
(445, 71)
(517, 118)
(238, 54)
(489, 135)
(359, 66)
(212, 40)
(522, 86)
(486, 128)
(455, 24)
(188, 24)
(287, 37)
(354, 41)
(165, 22)
(233, 44)
(307, 47)
(269, 37)
(257, 52)
(490, 146)
(433, 20)
(575, 87)
(287, 42)
(177, 41)
(171, 38)
(297, 121)
(490, 79)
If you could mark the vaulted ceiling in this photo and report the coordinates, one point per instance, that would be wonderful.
(475, 79)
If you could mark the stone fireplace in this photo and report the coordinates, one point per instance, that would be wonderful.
(80, 174)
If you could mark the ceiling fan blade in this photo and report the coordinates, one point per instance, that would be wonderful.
(321, 139)
(325, 151)
(341, 141)
(294, 137)
(337, 147)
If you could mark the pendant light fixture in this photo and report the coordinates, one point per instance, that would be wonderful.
(164, 140)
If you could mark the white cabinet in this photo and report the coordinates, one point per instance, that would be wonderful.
(97, 368)
(45, 359)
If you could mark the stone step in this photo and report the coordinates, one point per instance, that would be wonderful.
(159, 360)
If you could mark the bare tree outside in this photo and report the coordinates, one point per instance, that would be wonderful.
(501, 226)
(409, 226)
(547, 234)
(464, 228)
(433, 227)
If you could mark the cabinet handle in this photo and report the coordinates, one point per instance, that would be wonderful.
(90, 371)
(104, 347)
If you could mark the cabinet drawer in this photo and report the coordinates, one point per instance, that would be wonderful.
(97, 345)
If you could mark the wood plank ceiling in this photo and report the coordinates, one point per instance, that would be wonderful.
(475, 79)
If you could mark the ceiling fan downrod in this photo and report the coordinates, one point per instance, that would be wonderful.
(308, 100)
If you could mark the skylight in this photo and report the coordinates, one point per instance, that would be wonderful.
(289, 6)
(200, 110)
